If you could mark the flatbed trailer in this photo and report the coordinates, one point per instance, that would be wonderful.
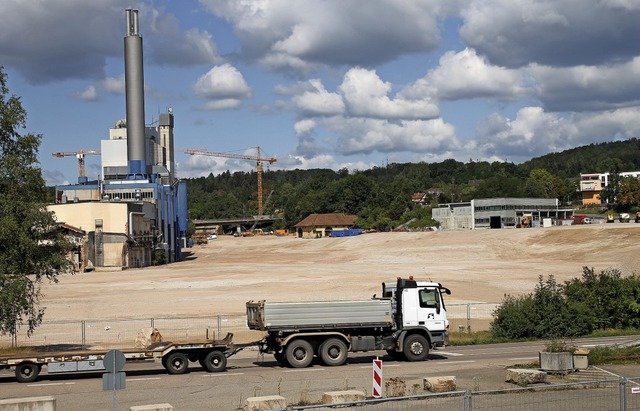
(175, 357)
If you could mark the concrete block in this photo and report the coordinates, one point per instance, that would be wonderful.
(152, 407)
(336, 397)
(524, 377)
(269, 402)
(28, 404)
(440, 384)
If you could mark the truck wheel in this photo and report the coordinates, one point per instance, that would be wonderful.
(416, 348)
(176, 363)
(299, 353)
(215, 361)
(281, 358)
(395, 355)
(333, 352)
(27, 372)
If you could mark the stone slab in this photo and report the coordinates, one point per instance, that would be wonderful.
(524, 377)
(269, 402)
(440, 384)
(337, 397)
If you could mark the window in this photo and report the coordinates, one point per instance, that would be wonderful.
(428, 298)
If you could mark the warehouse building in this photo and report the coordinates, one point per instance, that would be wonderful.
(501, 212)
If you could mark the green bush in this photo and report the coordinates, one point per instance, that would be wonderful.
(546, 313)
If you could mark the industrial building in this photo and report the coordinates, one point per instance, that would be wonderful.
(137, 211)
(500, 212)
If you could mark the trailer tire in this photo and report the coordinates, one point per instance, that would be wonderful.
(416, 348)
(176, 363)
(27, 372)
(333, 352)
(215, 361)
(299, 353)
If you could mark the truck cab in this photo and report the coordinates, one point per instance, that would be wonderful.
(419, 305)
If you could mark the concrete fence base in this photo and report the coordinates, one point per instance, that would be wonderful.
(337, 397)
(28, 404)
(152, 407)
(269, 402)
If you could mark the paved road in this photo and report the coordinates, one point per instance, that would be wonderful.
(248, 375)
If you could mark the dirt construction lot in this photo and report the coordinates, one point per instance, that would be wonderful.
(220, 277)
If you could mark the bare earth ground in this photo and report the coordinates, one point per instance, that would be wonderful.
(220, 277)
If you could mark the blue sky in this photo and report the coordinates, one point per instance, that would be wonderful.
(330, 83)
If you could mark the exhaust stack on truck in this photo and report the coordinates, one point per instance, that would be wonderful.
(409, 319)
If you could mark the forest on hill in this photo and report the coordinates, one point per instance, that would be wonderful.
(381, 196)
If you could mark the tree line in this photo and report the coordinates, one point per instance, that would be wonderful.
(381, 196)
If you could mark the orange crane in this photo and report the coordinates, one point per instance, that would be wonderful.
(80, 156)
(258, 159)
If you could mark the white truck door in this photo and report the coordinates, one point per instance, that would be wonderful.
(420, 308)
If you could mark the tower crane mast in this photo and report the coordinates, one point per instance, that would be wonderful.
(257, 158)
(80, 154)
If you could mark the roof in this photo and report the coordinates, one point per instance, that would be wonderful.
(327, 220)
(69, 227)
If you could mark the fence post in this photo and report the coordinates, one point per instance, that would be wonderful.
(468, 318)
(623, 394)
(219, 326)
(83, 333)
(468, 406)
(153, 323)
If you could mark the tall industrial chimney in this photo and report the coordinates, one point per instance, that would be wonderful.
(134, 85)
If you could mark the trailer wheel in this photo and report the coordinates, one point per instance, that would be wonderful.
(215, 361)
(27, 372)
(176, 363)
(333, 352)
(416, 348)
(299, 353)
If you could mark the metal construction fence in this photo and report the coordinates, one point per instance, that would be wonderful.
(117, 333)
(607, 395)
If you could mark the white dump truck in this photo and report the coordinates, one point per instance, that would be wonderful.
(406, 321)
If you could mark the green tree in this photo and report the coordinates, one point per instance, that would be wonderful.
(610, 192)
(32, 248)
(542, 184)
(629, 192)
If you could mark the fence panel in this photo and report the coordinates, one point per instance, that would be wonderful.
(470, 317)
(632, 394)
(113, 333)
(49, 333)
(454, 401)
(600, 396)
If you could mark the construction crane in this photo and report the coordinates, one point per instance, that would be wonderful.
(258, 159)
(80, 156)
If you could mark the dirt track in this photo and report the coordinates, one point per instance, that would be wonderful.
(478, 266)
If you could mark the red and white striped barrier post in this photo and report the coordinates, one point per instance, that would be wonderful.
(377, 378)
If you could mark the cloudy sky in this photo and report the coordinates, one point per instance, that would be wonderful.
(330, 83)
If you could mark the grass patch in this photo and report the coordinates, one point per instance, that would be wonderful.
(613, 355)
(486, 337)
(474, 338)
(597, 356)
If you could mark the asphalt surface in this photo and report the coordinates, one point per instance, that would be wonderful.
(476, 368)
